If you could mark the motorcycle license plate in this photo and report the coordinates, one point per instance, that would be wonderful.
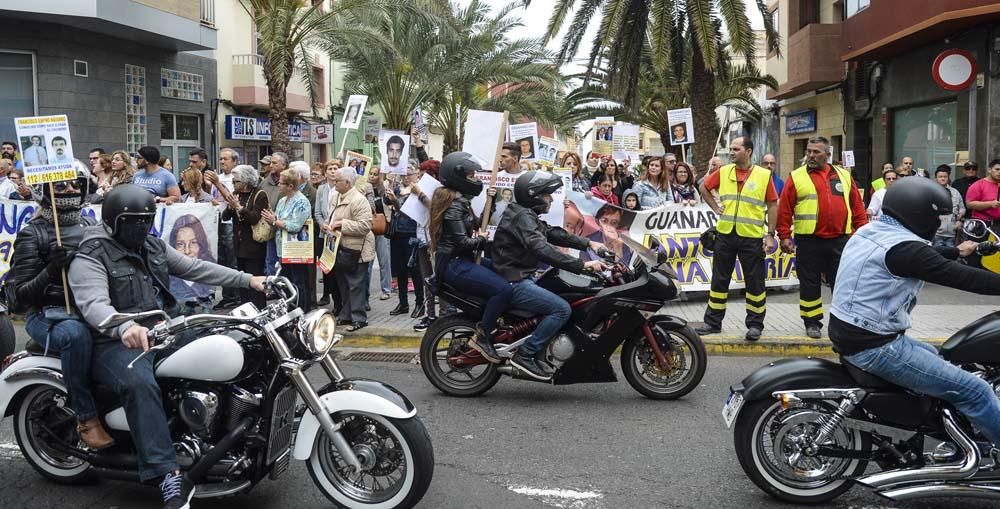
(732, 408)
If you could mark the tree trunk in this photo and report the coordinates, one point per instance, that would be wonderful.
(278, 103)
(702, 95)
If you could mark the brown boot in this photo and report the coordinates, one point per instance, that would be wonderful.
(93, 435)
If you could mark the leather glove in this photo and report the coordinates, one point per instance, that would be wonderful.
(987, 248)
(59, 259)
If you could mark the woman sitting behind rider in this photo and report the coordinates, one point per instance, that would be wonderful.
(455, 243)
(36, 273)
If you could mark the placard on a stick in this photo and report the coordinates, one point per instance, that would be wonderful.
(46, 147)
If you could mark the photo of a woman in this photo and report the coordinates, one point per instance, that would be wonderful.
(613, 223)
(189, 238)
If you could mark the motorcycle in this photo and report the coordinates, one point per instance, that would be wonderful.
(807, 430)
(661, 356)
(230, 387)
(8, 339)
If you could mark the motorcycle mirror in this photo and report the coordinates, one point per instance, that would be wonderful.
(277, 269)
(116, 319)
(975, 228)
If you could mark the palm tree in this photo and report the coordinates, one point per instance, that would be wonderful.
(665, 27)
(288, 30)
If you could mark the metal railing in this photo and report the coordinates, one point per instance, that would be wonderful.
(248, 59)
(208, 12)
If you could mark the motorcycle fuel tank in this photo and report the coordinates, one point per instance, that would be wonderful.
(977, 342)
(214, 358)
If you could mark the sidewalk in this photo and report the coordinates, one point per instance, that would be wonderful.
(784, 334)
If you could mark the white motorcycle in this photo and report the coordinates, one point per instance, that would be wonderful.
(230, 386)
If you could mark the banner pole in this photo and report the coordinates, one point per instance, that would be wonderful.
(493, 177)
(55, 220)
(343, 142)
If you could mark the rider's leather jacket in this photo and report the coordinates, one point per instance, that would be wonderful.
(457, 231)
(523, 241)
(33, 286)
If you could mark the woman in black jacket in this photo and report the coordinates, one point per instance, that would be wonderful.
(244, 210)
(455, 243)
(37, 277)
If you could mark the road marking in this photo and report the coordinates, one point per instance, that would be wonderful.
(567, 499)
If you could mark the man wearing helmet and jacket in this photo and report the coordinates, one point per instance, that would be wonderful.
(36, 277)
(121, 268)
(455, 244)
(522, 242)
(882, 269)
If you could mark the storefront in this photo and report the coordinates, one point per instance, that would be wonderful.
(251, 138)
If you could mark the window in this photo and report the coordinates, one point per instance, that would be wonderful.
(17, 90)
(81, 69)
(318, 77)
(925, 133)
(853, 7)
(775, 18)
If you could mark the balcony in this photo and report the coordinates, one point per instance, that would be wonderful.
(172, 24)
(250, 87)
(813, 60)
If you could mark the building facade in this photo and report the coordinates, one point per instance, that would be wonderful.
(126, 73)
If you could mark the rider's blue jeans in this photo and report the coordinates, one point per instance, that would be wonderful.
(482, 282)
(917, 366)
(140, 395)
(530, 297)
(71, 339)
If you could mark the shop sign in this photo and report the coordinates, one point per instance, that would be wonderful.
(800, 122)
(259, 129)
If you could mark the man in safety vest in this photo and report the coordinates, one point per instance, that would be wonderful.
(820, 207)
(746, 216)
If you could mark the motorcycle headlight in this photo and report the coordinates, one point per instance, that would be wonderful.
(317, 331)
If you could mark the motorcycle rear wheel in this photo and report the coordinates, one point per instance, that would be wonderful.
(765, 436)
(446, 337)
(688, 361)
(47, 405)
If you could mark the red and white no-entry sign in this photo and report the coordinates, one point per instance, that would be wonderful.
(955, 69)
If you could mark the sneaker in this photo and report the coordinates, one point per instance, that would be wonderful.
(481, 343)
(528, 364)
(177, 491)
(754, 333)
(422, 325)
(385, 296)
(813, 331)
(707, 329)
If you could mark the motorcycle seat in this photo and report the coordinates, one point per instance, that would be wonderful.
(453, 295)
(36, 349)
(865, 379)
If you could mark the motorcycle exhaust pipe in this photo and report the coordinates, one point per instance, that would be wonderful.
(963, 469)
(228, 442)
(943, 490)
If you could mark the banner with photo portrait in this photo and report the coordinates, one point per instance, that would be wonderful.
(526, 137)
(548, 149)
(505, 196)
(46, 148)
(681, 124)
(394, 148)
(354, 111)
(602, 135)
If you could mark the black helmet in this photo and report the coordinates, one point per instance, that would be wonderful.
(532, 186)
(128, 212)
(458, 172)
(918, 204)
(66, 201)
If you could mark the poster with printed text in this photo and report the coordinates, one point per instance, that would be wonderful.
(681, 126)
(297, 247)
(602, 134)
(526, 138)
(372, 126)
(625, 144)
(420, 125)
(354, 111)
(46, 148)
(394, 147)
(505, 196)
(362, 164)
(548, 149)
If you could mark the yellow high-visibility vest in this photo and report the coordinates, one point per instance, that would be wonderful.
(807, 205)
(744, 209)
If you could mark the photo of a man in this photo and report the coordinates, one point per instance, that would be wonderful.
(394, 151)
(34, 151)
(59, 147)
(680, 134)
(527, 148)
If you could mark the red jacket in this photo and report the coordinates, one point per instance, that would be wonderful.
(832, 210)
(612, 198)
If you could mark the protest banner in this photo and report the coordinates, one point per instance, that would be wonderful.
(394, 147)
(505, 196)
(372, 126)
(328, 258)
(420, 125)
(603, 134)
(677, 227)
(46, 148)
(353, 111)
(625, 144)
(297, 247)
(548, 149)
(415, 209)
(681, 124)
(482, 128)
(526, 137)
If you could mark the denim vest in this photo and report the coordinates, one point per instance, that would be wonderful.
(866, 294)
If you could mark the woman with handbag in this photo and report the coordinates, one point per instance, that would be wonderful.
(321, 214)
(244, 210)
(288, 217)
(404, 244)
(351, 218)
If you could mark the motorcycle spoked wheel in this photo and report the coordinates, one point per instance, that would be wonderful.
(397, 462)
(40, 414)
(448, 337)
(687, 360)
(765, 440)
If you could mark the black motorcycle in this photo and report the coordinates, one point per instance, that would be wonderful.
(661, 356)
(807, 430)
(230, 386)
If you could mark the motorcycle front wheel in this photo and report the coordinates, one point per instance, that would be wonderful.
(446, 339)
(768, 442)
(397, 462)
(686, 356)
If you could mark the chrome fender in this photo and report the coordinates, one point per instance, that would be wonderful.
(355, 395)
(26, 372)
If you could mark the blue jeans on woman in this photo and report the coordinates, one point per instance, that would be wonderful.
(554, 309)
(71, 339)
(917, 366)
(481, 282)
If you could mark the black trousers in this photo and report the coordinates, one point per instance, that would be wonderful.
(750, 253)
(401, 250)
(253, 266)
(815, 257)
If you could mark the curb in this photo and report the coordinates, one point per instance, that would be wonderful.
(723, 344)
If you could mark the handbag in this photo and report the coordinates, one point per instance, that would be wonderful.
(262, 232)
(347, 260)
(379, 225)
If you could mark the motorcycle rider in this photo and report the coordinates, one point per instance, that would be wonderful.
(883, 267)
(121, 268)
(36, 275)
(455, 244)
(521, 243)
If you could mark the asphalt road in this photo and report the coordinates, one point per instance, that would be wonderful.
(522, 445)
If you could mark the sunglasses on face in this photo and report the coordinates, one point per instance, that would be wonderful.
(890, 179)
